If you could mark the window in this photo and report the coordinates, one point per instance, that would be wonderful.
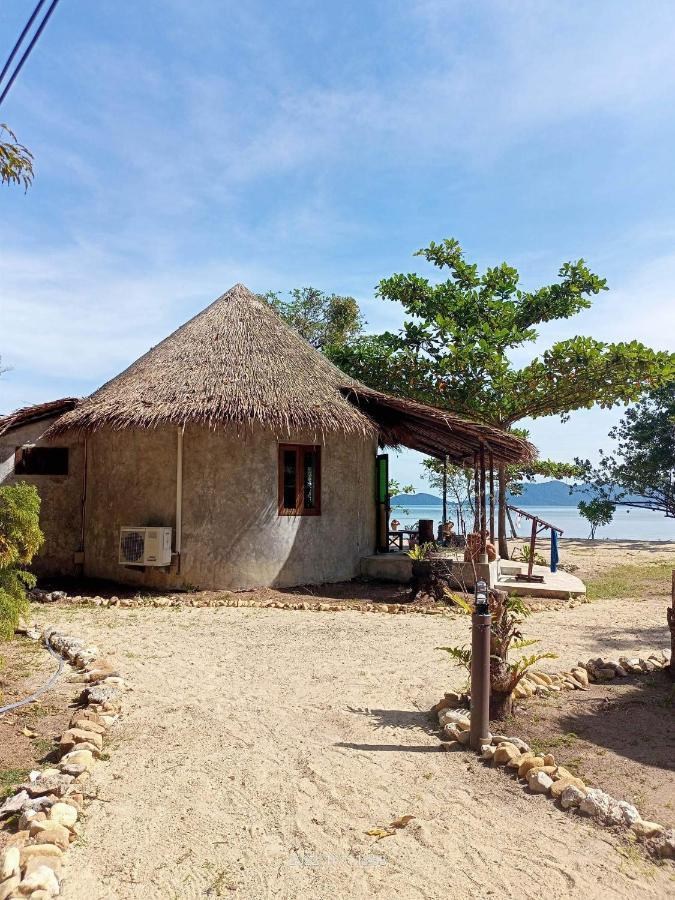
(299, 480)
(41, 461)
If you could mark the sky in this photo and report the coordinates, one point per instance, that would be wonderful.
(185, 145)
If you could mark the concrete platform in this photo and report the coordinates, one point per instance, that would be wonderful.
(560, 585)
(387, 567)
(556, 585)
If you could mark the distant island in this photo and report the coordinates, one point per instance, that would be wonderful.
(535, 493)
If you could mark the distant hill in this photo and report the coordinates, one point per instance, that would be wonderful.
(410, 500)
(548, 493)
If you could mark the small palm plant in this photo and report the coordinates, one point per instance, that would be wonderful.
(508, 613)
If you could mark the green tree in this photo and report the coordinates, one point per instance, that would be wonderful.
(20, 539)
(597, 512)
(641, 471)
(325, 320)
(455, 348)
(16, 161)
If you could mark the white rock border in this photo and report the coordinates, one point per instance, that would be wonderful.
(540, 772)
(51, 803)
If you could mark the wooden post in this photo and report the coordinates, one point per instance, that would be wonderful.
(671, 625)
(533, 544)
(476, 495)
(445, 491)
(483, 508)
(492, 498)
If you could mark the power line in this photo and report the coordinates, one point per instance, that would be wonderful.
(29, 48)
(20, 39)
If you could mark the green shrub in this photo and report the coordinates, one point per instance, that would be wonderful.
(20, 539)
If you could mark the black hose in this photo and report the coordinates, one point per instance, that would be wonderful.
(45, 687)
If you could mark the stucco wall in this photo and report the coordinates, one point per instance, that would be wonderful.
(61, 495)
(232, 534)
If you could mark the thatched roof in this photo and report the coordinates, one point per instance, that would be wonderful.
(38, 413)
(237, 362)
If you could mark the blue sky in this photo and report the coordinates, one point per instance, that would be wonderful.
(184, 146)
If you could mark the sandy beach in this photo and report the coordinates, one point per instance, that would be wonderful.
(259, 746)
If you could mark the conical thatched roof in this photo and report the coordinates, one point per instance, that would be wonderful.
(238, 362)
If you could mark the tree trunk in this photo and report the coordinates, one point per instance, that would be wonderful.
(501, 704)
(501, 520)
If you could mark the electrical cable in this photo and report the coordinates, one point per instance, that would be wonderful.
(28, 50)
(20, 38)
(45, 687)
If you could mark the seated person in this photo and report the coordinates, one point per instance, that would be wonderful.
(394, 524)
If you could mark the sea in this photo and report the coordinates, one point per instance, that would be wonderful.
(628, 524)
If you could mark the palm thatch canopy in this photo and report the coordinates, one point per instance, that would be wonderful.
(237, 362)
(38, 413)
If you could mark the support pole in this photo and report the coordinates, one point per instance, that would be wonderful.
(483, 508)
(476, 495)
(445, 491)
(671, 626)
(533, 544)
(492, 498)
(480, 669)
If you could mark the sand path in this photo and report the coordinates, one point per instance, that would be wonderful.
(259, 746)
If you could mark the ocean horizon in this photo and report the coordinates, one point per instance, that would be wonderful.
(628, 523)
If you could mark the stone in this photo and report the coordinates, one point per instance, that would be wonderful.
(606, 673)
(43, 878)
(629, 812)
(450, 716)
(104, 695)
(74, 736)
(11, 861)
(63, 814)
(19, 839)
(88, 726)
(450, 700)
(571, 796)
(53, 834)
(527, 762)
(560, 786)
(78, 758)
(487, 751)
(663, 844)
(43, 850)
(549, 759)
(607, 810)
(52, 862)
(86, 715)
(645, 830)
(581, 675)
(57, 785)
(562, 772)
(538, 782)
(40, 895)
(9, 886)
(504, 753)
(14, 804)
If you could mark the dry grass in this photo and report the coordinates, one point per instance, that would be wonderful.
(630, 581)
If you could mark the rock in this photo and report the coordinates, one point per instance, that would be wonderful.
(562, 772)
(663, 844)
(78, 758)
(560, 786)
(629, 813)
(57, 785)
(88, 715)
(103, 695)
(63, 814)
(538, 782)
(40, 895)
(11, 860)
(581, 675)
(87, 725)
(52, 862)
(449, 716)
(487, 751)
(14, 804)
(606, 809)
(606, 673)
(43, 850)
(451, 700)
(498, 739)
(571, 796)
(74, 736)
(9, 886)
(645, 830)
(528, 762)
(504, 753)
(549, 759)
(43, 878)
(19, 839)
(53, 834)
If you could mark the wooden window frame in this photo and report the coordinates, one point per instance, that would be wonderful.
(299, 509)
(22, 453)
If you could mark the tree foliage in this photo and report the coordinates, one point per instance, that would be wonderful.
(641, 471)
(20, 539)
(325, 320)
(455, 349)
(597, 512)
(16, 161)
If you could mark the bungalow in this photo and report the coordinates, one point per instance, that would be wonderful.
(231, 455)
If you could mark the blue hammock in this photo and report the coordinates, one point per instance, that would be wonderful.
(554, 551)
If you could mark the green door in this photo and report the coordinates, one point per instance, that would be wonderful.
(382, 502)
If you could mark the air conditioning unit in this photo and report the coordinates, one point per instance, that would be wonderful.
(145, 546)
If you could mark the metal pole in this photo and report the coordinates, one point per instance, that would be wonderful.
(480, 669)
(492, 498)
(483, 509)
(445, 490)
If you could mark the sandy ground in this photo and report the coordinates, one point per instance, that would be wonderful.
(596, 557)
(259, 746)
